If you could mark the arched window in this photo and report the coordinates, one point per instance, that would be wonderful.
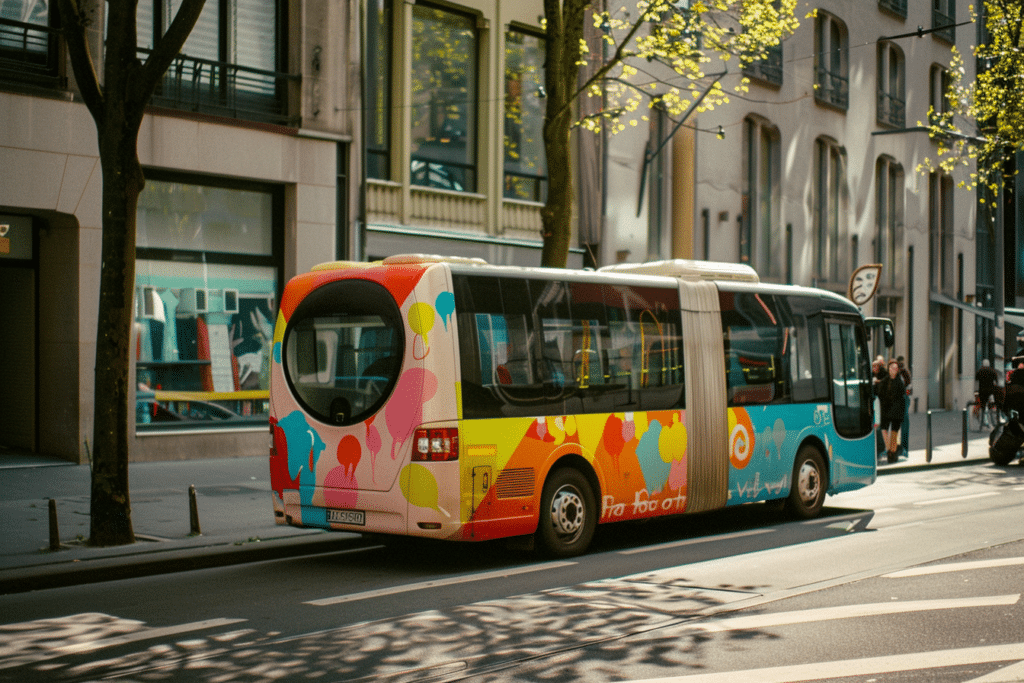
(831, 61)
(891, 86)
(761, 242)
(829, 212)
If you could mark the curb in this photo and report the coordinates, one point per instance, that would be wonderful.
(157, 561)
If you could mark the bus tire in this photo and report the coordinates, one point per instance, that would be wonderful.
(807, 495)
(568, 513)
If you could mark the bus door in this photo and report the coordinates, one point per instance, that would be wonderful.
(850, 373)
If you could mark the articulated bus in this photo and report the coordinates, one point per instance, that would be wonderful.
(451, 399)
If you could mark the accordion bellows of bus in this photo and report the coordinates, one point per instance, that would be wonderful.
(447, 398)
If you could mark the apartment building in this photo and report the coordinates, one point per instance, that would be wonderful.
(818, 171)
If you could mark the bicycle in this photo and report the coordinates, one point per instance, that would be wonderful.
(989, 416)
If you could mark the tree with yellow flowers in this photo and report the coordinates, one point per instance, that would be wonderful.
(655, 54)
(984, 119)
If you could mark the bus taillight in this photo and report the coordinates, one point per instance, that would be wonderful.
(435, 445)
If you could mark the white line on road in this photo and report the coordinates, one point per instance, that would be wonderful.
(955, 567)
(1008, 674)
(693, 541)
(940, 501)
(848, 612)
(868, 666)
(423, 585)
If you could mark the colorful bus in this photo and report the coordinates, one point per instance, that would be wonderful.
(452, 399)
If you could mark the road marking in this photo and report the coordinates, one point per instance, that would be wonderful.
(868, 666)
(1008, 674)
(940, 501)
(849, 612)
(694, 541)
(423, 585)
(955, 567)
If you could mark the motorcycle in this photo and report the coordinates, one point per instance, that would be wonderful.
(1006, 440)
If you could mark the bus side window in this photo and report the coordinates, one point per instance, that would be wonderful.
(754, 341)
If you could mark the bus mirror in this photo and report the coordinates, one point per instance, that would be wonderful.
(885, 325)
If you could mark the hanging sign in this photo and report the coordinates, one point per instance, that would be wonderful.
(864, 283)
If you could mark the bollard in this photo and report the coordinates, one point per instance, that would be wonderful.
(928, 439)
(193, 511)
(54, 532)
(963, 443)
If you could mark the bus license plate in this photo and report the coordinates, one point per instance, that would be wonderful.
(356, 517)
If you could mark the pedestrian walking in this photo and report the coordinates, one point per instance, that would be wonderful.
(905, 429)
(988, 380)
(891, 392)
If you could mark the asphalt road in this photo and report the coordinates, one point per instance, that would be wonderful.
(880, 589)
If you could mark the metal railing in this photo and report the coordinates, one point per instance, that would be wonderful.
(832, 88)
(891, 110)
(768, 69)
(28, 54)
(225, 89)
(948, 22)
(531, 187)
(897, 7)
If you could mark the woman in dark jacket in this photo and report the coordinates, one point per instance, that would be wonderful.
(891, 392)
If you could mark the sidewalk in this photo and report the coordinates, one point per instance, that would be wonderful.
(234, 511)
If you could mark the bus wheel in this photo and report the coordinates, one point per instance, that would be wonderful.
(807, 495)
(568, 513)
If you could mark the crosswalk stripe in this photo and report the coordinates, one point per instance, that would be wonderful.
(955, 567)
(867, 666)
(769, 620)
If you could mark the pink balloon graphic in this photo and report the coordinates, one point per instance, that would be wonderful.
(405, 409)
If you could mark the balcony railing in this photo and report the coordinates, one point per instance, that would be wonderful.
(28, 54)
(225, 89)
(891, 110)
(897, 7)
(768, 69)
(942, 19)
(831, 88)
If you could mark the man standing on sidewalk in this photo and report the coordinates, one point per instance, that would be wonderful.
(905, 430)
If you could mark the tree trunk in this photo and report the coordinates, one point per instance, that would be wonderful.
(110, 508)
(564, 32)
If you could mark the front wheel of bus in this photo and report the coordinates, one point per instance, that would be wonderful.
(807, 495)
(568, 514)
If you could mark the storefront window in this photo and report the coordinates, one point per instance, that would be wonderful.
(206, 302)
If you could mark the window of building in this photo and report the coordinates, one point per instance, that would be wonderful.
(206, 288)
(897, 7)
(378, 89)
(938, 89)
(769, 68)
(889, 220)
(940, 221)
(230, 61)
(891, 86)
(525, 168)
(829, 197)
(831, 61)
(28, 43)
(944, 18)
(444, 99)
(761, 243)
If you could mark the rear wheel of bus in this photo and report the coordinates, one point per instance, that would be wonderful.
(807, 495)
(568, 513)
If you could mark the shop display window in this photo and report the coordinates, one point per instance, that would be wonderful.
(205, 305)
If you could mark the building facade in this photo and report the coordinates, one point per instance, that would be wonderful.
(819, 171)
